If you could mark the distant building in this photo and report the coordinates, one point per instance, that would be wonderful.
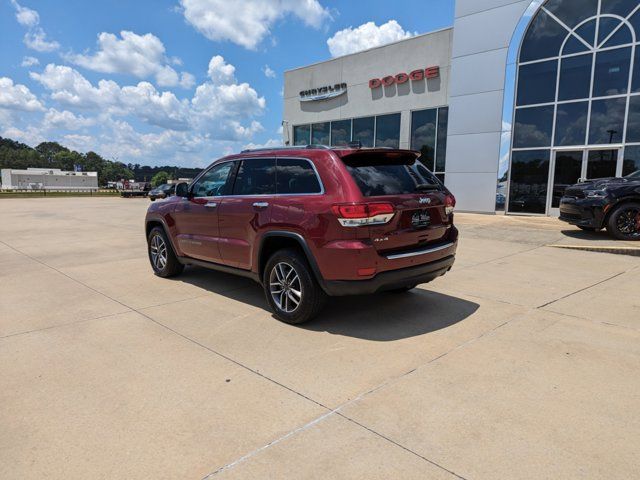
(48, 179)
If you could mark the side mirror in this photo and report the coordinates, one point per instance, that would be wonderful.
(182, 190)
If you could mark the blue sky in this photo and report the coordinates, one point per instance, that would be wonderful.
(175, 81)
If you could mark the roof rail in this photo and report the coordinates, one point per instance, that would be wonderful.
(289, 147)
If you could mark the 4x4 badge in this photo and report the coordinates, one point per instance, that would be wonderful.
(424, 200)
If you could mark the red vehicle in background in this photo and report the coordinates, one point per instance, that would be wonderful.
(309, 222)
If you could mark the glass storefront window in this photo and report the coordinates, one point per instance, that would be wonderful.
(388, 130)
(302, 135)
(572, 12)
(340, 133)
(602, 163)
(631, 161)
(533, 127)
(633, 122)
(571, 124)
(612, 72)
(537, 83)
(423, 135)
(529, 181)
(619, 7)
(590, 43)
(441, 150)
(363, 129)
(320, 133)
(543, 38)
(575, 77)
(607, 121)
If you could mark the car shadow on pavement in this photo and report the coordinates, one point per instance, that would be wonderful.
(585, 235)
(386, 317)
(382, 317)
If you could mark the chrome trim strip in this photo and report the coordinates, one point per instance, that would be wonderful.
(421, 252)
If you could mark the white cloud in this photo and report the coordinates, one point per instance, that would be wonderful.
(249, 23)
(17, 97)
(25, 16)
(268, 72)
(141, 56)
(220, 72)
(31, 135)
(187, 80)
(271, 143)
(367, 35)
(30, 62)
(216, 107)
(35, 38)
(65, 120)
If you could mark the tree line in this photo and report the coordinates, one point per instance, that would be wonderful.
(16, 155)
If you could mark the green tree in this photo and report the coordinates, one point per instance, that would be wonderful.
(159, 178)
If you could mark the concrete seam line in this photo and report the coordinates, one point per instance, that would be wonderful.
(399, 445)
(583, 289)
(66, 324)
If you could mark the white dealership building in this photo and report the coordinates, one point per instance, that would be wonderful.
(521, 98)
(48, 179)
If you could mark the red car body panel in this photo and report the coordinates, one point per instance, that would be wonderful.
(231, 234)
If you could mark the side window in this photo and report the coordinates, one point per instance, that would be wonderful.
(296, 176)
(256, 177)
(215, 182)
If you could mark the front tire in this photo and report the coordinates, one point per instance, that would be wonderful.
(624, 222)
(291, 288)
(161, 255)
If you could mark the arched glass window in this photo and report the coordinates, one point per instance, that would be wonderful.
(578, 75)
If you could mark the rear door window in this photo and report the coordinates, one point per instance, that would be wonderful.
(381, 174)
(256, 176)
(296, 176)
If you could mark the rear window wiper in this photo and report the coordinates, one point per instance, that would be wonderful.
(427, 187)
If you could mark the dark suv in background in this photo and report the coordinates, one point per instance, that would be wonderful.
(309, 222)
(611, 203)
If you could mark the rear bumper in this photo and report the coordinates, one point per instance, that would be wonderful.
(390, 280)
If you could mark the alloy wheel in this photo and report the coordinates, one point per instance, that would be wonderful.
(628, 222)
(285, 287)
(158, 252)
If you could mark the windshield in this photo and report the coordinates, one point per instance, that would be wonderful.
(635, 174)
(380, 174)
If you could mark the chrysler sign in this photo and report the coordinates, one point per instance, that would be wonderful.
(323, 93)
(400, 78)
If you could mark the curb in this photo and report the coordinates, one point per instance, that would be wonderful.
(632, 251)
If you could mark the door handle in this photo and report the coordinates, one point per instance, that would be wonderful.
(211, 204)
(261, 205)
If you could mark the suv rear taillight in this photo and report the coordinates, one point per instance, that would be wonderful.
(449, 204)
(362, 214)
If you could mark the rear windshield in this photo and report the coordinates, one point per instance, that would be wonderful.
(379, 175)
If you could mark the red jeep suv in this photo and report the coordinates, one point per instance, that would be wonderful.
(309, 222)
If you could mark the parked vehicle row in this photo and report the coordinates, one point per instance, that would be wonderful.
(308, 223)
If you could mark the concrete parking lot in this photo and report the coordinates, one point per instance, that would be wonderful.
(523, 362)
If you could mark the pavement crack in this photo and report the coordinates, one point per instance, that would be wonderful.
(583, 289)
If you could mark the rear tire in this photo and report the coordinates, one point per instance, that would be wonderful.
(161, 255)
(624, 222)
(291, 287)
